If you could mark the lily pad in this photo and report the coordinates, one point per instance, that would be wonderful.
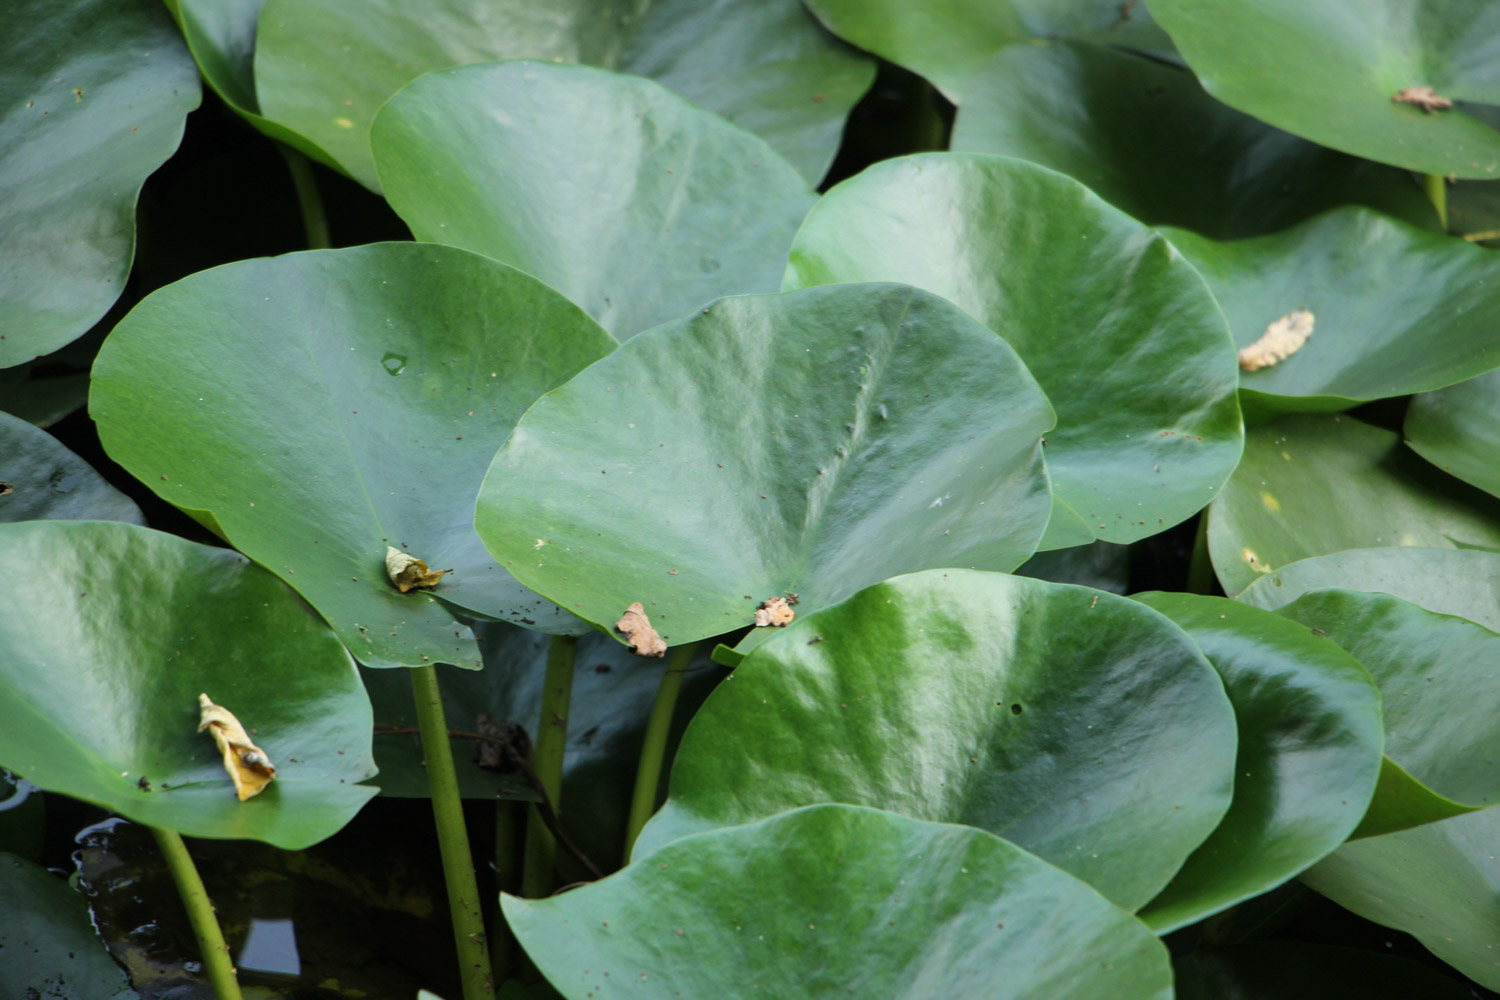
(1296, 970)
(1458, 429)
(112, 633)
(1147, 139)
(765, 65)
(39, 478)
(621, 195)
(323, 406)
(810, 444)
(50, 947)
(1339, 72)
(1096, 304)
(1310, 742)
(1396, 311)
(1311, 485)
(1082, 726)
(831, 899)
(96, 95)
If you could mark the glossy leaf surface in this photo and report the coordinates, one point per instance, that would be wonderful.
(1458, 430)
(48, 944)
(1296, 970)
(113, 631)
(1310, 741)
(810, 443)
(822, 901)
(1097, 305)
(1147, 139)
(323, 406)
(765, 65)
(1310, 485)
(622, 196)
(96, 95)
(1079, 725)
(40, 478)
(1329, 72)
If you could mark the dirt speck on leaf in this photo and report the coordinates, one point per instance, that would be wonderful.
(776, 612)
(1281, 340)
(636, 627)
(1425, 98)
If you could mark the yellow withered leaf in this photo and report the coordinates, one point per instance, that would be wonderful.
(775, 612)
(408, 572)
(248, 765)
(1281, 340)
(635, 625)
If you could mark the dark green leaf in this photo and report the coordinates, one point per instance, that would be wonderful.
(1458, 428)
(1296, 970)
(810, 443)
(39, 478)
(822, 902)
(48, 947)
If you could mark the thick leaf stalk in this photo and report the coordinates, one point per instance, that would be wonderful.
(654, 749)
(551, 742)
(200, 914)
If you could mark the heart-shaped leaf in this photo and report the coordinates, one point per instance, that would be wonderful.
(324, 406)
(1297, 970)
(809, 444)
(619, 194)
(830, 900)
(96, 95)
(49, 944)
(39, 478)
(1310, 740)
(1458, 429)
(1395, 310)
(1096, 304)
(1079, 725)
(1350, 73)
(765, 65)
(1310, 485)
(112, 632)
(1146, 138)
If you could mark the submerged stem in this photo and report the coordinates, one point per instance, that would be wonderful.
(551, 742)
(314, 221)
(200, 914)
(1437, 191)
(1200, 568)
(508, 834)
(654, 749)
(453, 839)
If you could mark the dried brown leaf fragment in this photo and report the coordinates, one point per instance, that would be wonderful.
(636, 627)
(1425, 98)
(408, 572)
(248, 765)
(775, 612)
(1281, 340)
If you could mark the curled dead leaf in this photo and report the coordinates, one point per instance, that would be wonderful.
(776, 612)
(1281, 340)
(408, 572)
(6, 488)
(1425, 98)
(248, 765)
(636, 627)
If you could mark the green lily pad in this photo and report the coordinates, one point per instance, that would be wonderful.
(39, 478)
(811, 443)
(949, 42)
(765, 65)
(1310, 740)
(113, 631)
(1082, 726)
(1297, 970)
(616, 192)
(1331, 71)
(1311, 484)
(1096, 304)
(49, 946)
(830, 900)
(1147, 139)
(1438, 689)
(1464, 583)
(1396, 310)
(1458, 429)
(323, 406)
(96, 95)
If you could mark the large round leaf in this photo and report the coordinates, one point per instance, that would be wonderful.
(324, 67)
(324, 406)
(1146, 138)
(1297, 970)
(1310, 738)
(96, 95)
(39, 478)
(1458, 429)
(1310, 485)
(112, 631)
(625, 198)
(1097, 306)
(834, 900)
(1464, 583)
(1396, 310)
(1079, 725)
(1330, 71)
(810, 443)
(48, 947)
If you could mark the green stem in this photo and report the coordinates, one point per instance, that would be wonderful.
(507, 867)
(313, 220)
(1200, 568)
(453, 838)
(654, 750)
(551, 742)
(200, 914)
(1437, 190)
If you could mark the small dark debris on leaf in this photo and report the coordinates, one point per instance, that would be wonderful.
(815, 640)
(1425, 98)
(143, 784)
(1318, 631)
(6, 488)
(505, 743)
(636, 627)
(602, 668)
(775, 612)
